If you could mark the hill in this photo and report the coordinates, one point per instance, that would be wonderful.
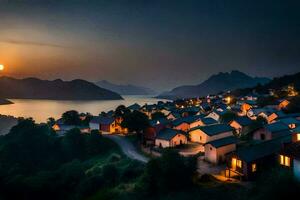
(215, 84)
(125, 89)
(33, 88)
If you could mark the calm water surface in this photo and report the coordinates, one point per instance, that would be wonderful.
(41, 110)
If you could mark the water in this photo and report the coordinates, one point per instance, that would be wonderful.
(41, 110)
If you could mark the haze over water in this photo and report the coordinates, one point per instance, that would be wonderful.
(41, 110)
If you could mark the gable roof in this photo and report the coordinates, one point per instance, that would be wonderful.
(102, 120)
(223, 142)
(208, 120)
(243, 121)
(276, 127)
(289, 120)
(134, 107)
(214, 129)
(168, 134)
(162, 121)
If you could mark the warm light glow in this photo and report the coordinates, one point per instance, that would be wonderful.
(233, 163)
(254, 168)
(298, 136)
(285, 161)
(1, 67)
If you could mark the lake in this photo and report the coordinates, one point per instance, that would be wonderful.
(41, 110)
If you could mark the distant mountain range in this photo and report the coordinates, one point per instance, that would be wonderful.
(215, 84)
(33, 88)
(125, 89)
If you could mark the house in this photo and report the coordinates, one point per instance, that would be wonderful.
(216, 114)
(107, 124)
(203, 121)
(170, 138)
(247, 162)
(247, 105)
(216, 151)
(271, 131)
(155, 127)
(240, 124)
(184, 123)
(173, 116)
(205, 134)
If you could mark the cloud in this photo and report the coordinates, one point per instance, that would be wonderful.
(32, 43)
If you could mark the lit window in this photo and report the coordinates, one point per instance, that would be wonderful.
(285, 161)
(239, 163)
(298, 137)
(233, 163)
(254, 167)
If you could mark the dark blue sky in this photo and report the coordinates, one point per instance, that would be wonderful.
(160, 44)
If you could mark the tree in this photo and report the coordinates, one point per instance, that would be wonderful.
(121, 111)
(71, 117)
(135, 121)
(51, 121)
(157, 115)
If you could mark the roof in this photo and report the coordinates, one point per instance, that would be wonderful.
(289, 120)
(214, 129)
(168, 134)
(208, 121)
(223, 142)
(267, 148)
(291, 149)
(102, 120)
(243, 121)
(276, 127)
(188, 120)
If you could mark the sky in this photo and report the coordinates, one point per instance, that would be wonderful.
(158, 44)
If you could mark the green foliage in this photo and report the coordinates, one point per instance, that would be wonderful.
(71, 117)
(169, 173)
(135, 121)
(121, 111)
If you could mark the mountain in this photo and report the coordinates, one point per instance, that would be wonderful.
(33, 88)
(216, 83)
(125, 89)
(276, 84)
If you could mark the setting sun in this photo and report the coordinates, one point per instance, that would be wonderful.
(1, 67)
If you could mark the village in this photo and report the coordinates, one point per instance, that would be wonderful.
(235, 138)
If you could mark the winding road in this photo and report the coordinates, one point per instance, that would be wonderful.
(127, 147)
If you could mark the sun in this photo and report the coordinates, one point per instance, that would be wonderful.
(1, 67)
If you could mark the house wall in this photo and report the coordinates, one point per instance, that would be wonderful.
(162, 143)
(183, 127)
(94, 126)
(217, 155)
(196, 123)
(257, 134)
(178, 139)
(214, 115)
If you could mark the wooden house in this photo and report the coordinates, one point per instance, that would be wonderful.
(271, 131)
(240, 124)
(170, 138)
(205, 134)
(217, 150)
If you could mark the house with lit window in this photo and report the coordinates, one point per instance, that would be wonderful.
(248, 162)
(170, 138)
(240, 124)
(289, 156)
(107, 124)
(205, 134)
(216, 151)
(271, 131)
